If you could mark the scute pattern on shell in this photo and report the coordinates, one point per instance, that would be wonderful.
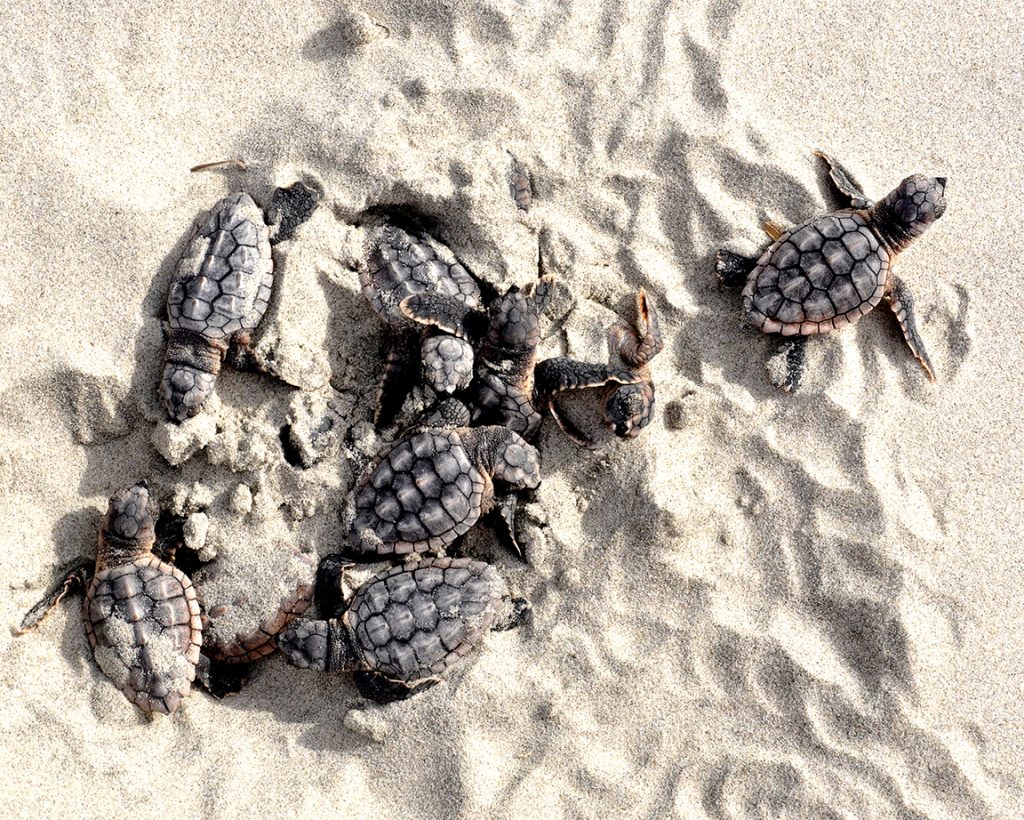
(422, 494)
(223, 281)
(447, 362)
(401, 264)
(414, 621)
(817, 277)
(143, 624)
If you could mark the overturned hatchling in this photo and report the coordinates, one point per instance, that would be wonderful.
(402, 264)
(142, 617)
(221, 289)
(404, 627)
(829, 272)
(434, 483)
(626, 407)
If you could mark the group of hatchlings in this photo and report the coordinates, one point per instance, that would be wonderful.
(468, 454)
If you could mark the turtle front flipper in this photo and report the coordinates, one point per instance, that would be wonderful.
(558, 374)
(289, 208)
(732, 269)
(902, 303)
(786, 368)
(441, 311)
(78, 576)
(636, 345)
(844, 182)
(401, 372)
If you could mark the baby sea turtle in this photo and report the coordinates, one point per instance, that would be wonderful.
(405, 626)
(221, 289)
(627, 407)
(826, 273)
(510, 389)
(402, 264)
(142, 616)
(431, 486)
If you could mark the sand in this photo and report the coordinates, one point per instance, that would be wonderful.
(766, 606)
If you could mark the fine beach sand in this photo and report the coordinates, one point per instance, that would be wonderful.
(795, 606)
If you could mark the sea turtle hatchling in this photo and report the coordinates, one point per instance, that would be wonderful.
(509, 388)
(142, 616)
(401, 264)
(830, 271)
(626, 408)
(431, 486)
(221, 289)
(405, 626)
(147, 622)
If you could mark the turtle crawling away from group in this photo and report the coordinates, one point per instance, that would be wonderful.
(830, 271)
(405, 626)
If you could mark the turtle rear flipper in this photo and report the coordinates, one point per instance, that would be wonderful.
(845, 183)
(542, 291)
(222, 679)
(377, 687)
(329, 577)
(289, 208)
(733, 269)
(78, 575)
(902, 303)
(518, 612)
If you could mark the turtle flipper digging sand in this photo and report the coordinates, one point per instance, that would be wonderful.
(404, 627)
(141, 615)
(221, 290)
(628, 398)
(826, 273)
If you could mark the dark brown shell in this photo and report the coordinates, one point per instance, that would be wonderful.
(415, 621)
(818, 276)
(143, 624)
(400, 264)
(422, 494)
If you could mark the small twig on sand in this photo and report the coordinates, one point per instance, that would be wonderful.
(237, 164)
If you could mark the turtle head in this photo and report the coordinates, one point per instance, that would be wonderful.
(447, 363)
(910, 209)
(184, 389)
(129, 527)
(628, 409)
(513, 322)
